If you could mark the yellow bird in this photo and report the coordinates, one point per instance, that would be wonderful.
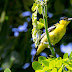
(56, 32)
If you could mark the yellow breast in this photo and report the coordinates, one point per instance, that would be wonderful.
(57, 34)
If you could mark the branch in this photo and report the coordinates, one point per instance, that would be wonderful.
(46, 26)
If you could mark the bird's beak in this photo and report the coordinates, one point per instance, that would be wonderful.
(69, 19)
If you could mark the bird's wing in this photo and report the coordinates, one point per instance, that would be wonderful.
(49, 30)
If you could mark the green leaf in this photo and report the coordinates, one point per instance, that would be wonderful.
(48, 71)
(40, 25)
(40, 9)
(59, 58)
(65, 56)
(34, 7)
(52, 64)
(58, 63)
(70, 57)
(45, 63)
(65, 63)
(69, 67)
(36, 0)
(37, 66)
(40, 58)
(34, 17)
(60, 70)
(7, 70)
(39, 71)
(54, 70)
(46, 68)
(70, 62)
(41, 20)
(65, 59)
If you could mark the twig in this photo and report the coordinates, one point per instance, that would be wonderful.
(46, 26)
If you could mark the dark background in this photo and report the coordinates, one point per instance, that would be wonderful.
(16, 45)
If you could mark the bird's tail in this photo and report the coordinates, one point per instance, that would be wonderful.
(41, 47)
(35, 57)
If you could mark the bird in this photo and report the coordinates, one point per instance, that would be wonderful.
(56, 32)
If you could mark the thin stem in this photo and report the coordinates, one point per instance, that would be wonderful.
(46, 27)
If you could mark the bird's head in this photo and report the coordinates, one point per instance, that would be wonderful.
(65, 20)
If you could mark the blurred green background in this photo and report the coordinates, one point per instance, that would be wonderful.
(16, 45)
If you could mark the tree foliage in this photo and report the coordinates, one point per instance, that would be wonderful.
(53, 64)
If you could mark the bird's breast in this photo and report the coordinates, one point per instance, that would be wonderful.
(57, 34)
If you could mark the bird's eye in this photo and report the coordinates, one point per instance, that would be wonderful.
(66, 18)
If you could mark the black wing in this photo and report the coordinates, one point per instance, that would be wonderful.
(49, 30)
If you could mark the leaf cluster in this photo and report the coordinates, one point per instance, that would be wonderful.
(53, 64)
(37, 25)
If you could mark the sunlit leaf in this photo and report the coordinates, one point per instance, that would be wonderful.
(58, 63)
(69, 67)
(39, 71)
(59, 58)
(40, 25)
(70, 57)
(7, 70)
(65, 56)
(45, 63)
(48, 71)
(54, 70)
(40, 9)
(41, 20)
(40, 58)
(36, 0)
(52, 64)
(70, 62)
(37, 66)
(46, 68)
(65, 59)
(60, 69)
(34, 7)
(34, 17)
(65, 63)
